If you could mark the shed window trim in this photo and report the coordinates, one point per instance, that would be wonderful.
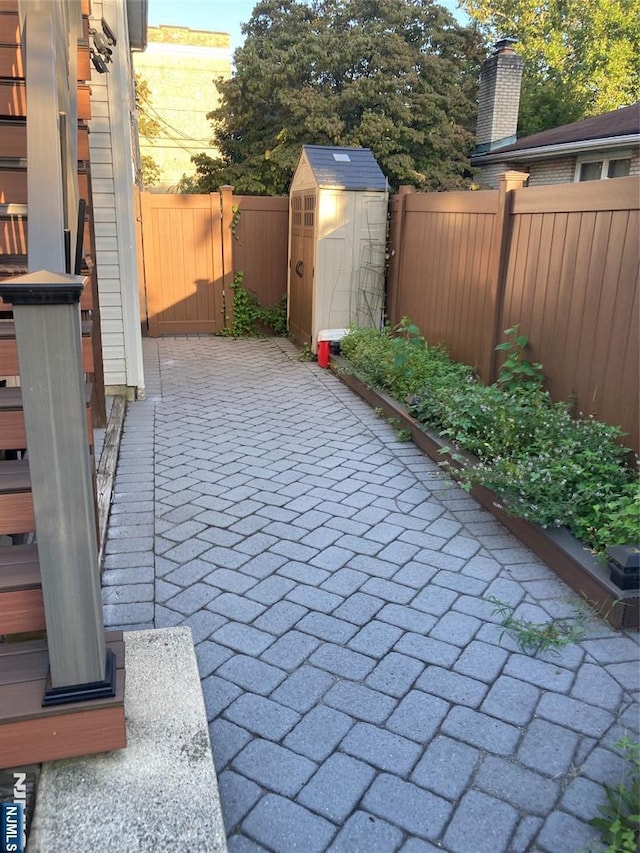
(604, 159)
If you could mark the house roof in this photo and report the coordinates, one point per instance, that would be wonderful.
(610, 130)
(346, 168)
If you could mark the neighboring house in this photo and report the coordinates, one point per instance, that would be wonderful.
(605, 146)
(181, 66)
(114, 163)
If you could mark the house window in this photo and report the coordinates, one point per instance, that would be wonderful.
(598, 168)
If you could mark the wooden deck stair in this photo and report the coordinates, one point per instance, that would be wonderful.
(9, 351)
(16, 504)
(21, 608)
(12, 431)
(30, 733)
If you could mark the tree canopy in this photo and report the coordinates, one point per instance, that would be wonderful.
(396, 76)
(582, 57)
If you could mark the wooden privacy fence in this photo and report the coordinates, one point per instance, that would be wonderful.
(191, 247)
(562, 261)
(261, 244)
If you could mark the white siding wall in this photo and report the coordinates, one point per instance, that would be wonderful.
(112, 186)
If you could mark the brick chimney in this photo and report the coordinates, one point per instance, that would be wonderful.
(499, 98)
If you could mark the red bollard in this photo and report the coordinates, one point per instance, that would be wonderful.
(324, 352)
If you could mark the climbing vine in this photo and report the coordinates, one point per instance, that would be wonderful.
(248, 314)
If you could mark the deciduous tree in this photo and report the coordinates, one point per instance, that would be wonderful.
(149, 128)
(397, 76)
(582, 57)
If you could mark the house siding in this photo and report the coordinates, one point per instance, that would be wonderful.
(112, 176)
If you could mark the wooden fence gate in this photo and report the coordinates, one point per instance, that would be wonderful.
(187, 260)
(189, 247)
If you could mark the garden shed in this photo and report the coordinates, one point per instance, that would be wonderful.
(337, 239)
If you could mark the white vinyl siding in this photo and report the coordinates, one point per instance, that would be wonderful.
(112, 188)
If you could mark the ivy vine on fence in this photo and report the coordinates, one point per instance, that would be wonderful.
(249, 315)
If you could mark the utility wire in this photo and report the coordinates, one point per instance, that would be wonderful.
(168, 126)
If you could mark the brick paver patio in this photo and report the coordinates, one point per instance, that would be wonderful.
(360, 693)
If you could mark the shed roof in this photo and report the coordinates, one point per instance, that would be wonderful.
(345, 168)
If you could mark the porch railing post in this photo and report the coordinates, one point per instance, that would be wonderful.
(47, 325)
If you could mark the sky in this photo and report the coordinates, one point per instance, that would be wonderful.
(218, 15)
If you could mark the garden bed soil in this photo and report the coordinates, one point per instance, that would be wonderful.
(559, 549)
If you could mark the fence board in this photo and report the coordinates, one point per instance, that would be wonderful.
(578, 197)
(443, 270)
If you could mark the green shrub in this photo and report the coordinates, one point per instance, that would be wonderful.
(545, 466)
(399, 361)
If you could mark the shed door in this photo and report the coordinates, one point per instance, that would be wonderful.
(303, 208)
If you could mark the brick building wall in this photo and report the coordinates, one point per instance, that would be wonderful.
(180, 66)
(560, 171)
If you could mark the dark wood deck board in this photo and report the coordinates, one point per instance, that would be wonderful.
(22, 700)
(8, 332)
(19, 567)
(11, 398)
(14, 476)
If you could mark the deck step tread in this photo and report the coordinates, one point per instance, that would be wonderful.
(23, 699)
(7, 329)
(14, 476)
(19, 567)
(11, 398)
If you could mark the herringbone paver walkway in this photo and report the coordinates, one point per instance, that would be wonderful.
(361, 694)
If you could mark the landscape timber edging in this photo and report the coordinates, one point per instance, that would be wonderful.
(559, 549)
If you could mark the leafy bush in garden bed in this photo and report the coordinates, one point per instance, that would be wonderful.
(546, 466)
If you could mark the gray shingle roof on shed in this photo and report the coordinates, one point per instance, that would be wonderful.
(360, 172)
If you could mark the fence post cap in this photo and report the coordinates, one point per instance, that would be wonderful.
(43, 287)
(513, 179)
